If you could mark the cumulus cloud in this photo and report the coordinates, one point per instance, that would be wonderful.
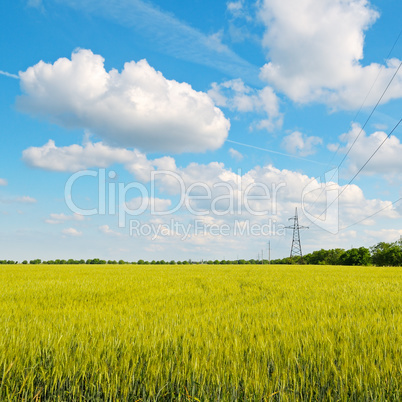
(76, 157)
(303, 145)
(3, 182)
(386, 161)
(25, 199)
(238, 156)
(56, 219)
(220, 180)
(315, 51)
(138, 107)
(235, 95)
(275, 192)
(105, 229)
(270, 191)
(333, 147)
(387, 235)
(235, 7)
(154, 204)
(71, 232)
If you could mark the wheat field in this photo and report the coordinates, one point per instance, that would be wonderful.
(200, 333)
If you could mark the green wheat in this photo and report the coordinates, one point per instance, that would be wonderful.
(200, 333)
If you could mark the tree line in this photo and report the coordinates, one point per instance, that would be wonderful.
(382, 254)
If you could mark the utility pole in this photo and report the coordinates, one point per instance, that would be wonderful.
(269, 252)
(262, 253)
(296, 243)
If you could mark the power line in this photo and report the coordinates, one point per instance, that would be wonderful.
(368, 160)
(393, 46)
(372, 155)
(361, 106)
(367, 217)
(369, 92)
(361, 129)
(296, 249)
(375, 107)
(370, 216)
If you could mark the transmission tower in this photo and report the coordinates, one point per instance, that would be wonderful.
(296, 243)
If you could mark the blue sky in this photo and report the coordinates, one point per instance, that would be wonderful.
(232, 111)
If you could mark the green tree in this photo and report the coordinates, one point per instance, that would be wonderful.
(387, 254)
(356, 256)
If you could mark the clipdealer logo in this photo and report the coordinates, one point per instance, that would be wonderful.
(218, 199)
(198, 227)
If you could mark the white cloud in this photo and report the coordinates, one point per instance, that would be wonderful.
(380, 126)
(138, 107)
(71, 232)
(235, 95)
(56, 219)
(154, 204)
(215, 41)
(353, 205)
(315, 50)
(234, 7)
(241, 21)
(297, 143)
(106, 230)
(171, 36)
(333, 147)
(236, 154)
(25, 199)
(9, 75)
(35, 4)
(76, 157)
(3, 182)
(387, 235)
(386, 161)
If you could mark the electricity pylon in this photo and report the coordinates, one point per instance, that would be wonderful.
(296, 243)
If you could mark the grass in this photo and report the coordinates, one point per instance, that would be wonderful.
(198, 333)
